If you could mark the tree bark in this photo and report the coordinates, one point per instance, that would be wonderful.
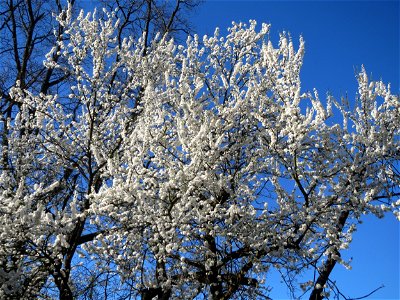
(150, 293)
(328, 266)
(61, 280)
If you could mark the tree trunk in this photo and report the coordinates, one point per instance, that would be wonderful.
(326, 271)
(323, 277)
(150, 293)
(66, 294)
(63, 287)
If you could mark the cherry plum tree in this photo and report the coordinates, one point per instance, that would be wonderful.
(185, 171)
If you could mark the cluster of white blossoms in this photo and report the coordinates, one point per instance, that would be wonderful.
(193, 168)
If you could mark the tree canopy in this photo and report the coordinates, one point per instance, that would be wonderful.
(140, 167)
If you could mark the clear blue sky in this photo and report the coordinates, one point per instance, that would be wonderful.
(340, 36)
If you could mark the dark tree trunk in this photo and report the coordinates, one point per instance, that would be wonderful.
(323, 277)
(327, 268)
(63, 287)
(66, 294)
(149, 294)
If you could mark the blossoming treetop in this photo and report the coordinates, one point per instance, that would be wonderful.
(184, 171)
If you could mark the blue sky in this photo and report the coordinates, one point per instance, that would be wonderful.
(340, 36)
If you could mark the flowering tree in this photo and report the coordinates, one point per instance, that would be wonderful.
(186, 171)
